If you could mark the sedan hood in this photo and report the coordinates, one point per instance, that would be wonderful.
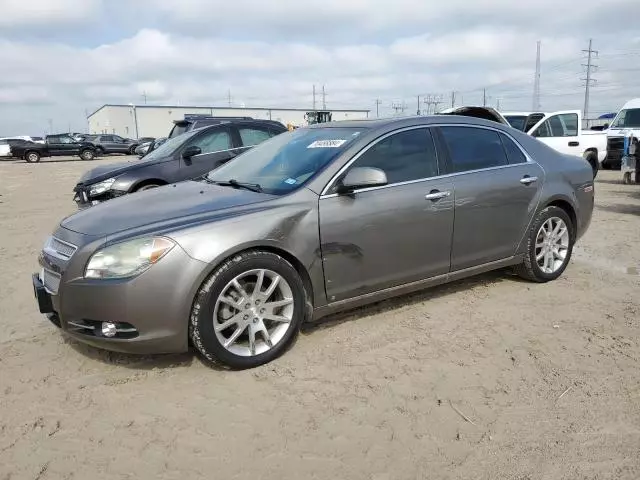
(103, 172)
(163, 207)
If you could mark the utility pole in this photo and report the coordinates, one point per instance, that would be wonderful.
(498, 104)
(484, 97)
(229, 96)
(588, 80)
(398, 107)
(437, 100)
(324, 99)
(536, 82)
(418, 111)
(453, 98)
(144, 96)
(378, 102)
(314, 97)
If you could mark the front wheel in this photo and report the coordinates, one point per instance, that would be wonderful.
(87, 155)
(549, 246)
(248, 311)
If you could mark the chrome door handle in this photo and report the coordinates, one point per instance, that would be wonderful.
(528, 180)
(437, 195)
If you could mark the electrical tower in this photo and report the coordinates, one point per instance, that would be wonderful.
(536, 82)
(453, 98)
(324, 99)
(398, 107)
(588, 81)
(314, 97)
(378, 102)
(229, 97)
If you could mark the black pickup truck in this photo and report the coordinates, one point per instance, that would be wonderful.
(54, 146)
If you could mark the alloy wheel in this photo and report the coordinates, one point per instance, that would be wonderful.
(552, 245)
(253, 312)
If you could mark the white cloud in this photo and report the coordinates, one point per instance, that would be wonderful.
(18, 13)
(271, 53)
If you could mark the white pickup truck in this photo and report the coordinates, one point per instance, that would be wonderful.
(560, 130)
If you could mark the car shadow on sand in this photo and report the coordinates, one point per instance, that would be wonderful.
(170, 361)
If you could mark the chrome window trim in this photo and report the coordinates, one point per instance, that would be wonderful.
(528, 158)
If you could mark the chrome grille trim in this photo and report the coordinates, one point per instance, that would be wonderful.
(50, 280)
(59, 249)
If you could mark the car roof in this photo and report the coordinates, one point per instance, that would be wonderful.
(399, 122)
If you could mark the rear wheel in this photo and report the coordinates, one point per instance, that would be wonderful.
(132, 150)
(32, 157)
(249, 310)
(87, 155)
(549, 246)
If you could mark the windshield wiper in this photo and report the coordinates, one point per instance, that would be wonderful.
(254, 187)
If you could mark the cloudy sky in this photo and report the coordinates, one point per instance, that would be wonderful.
(62, 58)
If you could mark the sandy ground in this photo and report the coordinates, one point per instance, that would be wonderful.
(489, 378)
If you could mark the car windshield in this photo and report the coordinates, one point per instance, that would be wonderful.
(516, 121)
(629, 118)
(178, 129)
(168, 147)
(285, 162)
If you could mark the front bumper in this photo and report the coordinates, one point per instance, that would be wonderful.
(151, 311)
(83, 200)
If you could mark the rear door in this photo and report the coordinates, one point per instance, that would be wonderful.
(497, 188)
(216, 147)
(120, 145)
(561, 131)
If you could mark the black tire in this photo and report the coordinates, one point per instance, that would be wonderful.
(201, 327)
(529, 268)
(87, 155)
(592, 158)
(32, 156)
(132, 150)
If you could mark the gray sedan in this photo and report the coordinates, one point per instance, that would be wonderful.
(311, 222)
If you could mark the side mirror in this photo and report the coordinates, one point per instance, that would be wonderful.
(191, 151)
(362, 177)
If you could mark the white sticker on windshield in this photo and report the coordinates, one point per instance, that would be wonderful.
(327, 144)
(290, 181)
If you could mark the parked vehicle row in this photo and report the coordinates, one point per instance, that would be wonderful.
(54, 146)
(306, 223)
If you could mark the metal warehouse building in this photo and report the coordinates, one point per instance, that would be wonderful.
(135, 121)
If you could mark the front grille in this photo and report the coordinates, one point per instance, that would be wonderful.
(50, 280)
(59, 249)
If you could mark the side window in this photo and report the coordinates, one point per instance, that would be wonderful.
(54, 140)
(514, 154)
(563, 125)
(65, 140)
(213, 141)
(106, 138)
(474, 148)
(252, 136)
(405, 156)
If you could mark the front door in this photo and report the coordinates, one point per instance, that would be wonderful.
(216, 149)
(496, 192)
(561, 131)
(386, 236)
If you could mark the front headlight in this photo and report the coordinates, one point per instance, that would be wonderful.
(127, 259)
(101, 187)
